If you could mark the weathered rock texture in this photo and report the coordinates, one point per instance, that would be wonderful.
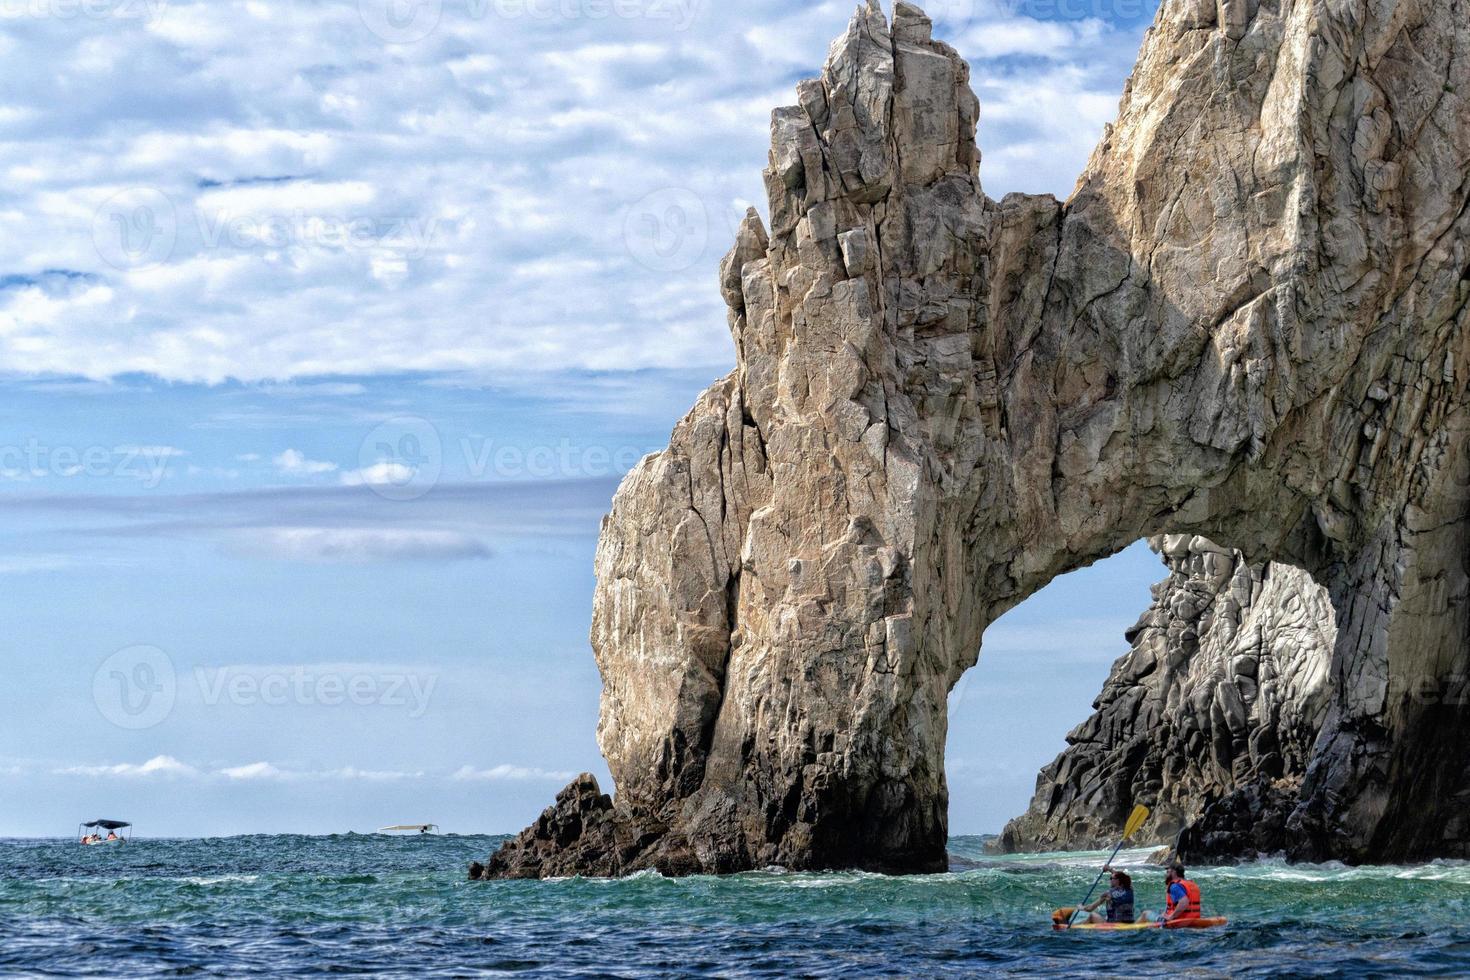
(1223, 692)
(1247, 323)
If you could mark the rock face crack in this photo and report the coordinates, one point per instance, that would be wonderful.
(942, 402)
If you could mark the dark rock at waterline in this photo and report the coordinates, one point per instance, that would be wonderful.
(582, 833)
(1250, 823)
(575, 832)
(585, 834)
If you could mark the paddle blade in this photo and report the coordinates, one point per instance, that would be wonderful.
(1135, 821)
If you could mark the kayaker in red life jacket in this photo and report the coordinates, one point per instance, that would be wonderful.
(1183, 897)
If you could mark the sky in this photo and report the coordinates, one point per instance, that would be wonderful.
(327, 329)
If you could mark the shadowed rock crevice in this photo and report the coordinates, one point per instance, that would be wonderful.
(1246, 324)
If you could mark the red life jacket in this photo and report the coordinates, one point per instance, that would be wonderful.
(1191, 890)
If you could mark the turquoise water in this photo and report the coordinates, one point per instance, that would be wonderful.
(378, 906)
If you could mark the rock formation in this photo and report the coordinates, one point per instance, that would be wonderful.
(1247, 323)
(1223, 692)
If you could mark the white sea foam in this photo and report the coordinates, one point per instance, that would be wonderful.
(829, 880)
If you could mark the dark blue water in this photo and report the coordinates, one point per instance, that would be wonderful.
(378, 906)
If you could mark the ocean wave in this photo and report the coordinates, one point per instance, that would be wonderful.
(123, 880)
(1278, 869)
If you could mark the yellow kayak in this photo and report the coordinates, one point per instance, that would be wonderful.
(1061, 916)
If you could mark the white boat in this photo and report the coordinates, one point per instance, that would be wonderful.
(410, 828)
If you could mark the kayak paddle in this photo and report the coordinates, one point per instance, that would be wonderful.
(1134, 824)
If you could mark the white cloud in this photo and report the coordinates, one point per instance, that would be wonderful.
(293, 462)
(384, 474)
(41, 563)
(265, 771)
(459, 203)
(163, 766)
(318, 389)
(360, 546)
(255, 770)
(457, 520)
(371, 775)
(507, 773)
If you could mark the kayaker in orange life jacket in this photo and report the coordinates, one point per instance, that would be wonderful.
(1183, 897)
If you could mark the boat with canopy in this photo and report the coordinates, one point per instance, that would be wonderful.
(91, 833)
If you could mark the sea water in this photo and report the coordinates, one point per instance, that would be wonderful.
(401, 907)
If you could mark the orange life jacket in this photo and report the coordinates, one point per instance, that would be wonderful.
(1191, 890)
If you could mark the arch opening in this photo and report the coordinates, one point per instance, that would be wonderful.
(1214, 694)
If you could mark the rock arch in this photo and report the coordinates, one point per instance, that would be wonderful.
(1246, 323)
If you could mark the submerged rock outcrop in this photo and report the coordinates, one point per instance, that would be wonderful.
(1247, 323)
(1223, 694)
